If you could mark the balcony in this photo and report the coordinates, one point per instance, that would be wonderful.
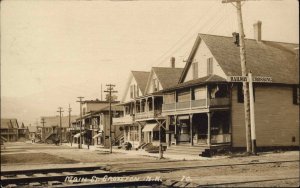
(148, 115)
(127, 119)
(195, 104)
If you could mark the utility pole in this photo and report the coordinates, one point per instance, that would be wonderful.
(101, 92)
(244, 70)
(80, 136)
(70, 109)
(43, 130)
(60, 128)
(110, 90)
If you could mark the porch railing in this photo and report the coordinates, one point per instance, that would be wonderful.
(124, 119)
(147, 115)
(201, 103)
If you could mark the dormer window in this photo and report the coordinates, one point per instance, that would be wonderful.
(210, 66)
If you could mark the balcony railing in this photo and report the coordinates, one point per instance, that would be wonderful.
(148, 115)
(127, 119)
(201, 103)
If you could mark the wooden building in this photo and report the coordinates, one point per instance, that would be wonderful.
(204, 109)
(9, 129)
(142, 103)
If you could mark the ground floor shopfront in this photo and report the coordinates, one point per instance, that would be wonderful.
(209, 128)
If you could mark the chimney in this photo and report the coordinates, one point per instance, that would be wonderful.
(257, 31)
(172, 62)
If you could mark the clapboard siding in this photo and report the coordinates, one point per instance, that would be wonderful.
(276, 117)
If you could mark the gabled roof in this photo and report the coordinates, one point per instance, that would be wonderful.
(32, 129)
(141, 78)
(266, 58)
(199, 81)
(167, 76)
(9, 124)
(54, 121)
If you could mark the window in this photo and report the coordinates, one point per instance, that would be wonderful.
(131, 91)
(183, 96)
(83, 111)
(195, 70)
(155, 85)
(134, 91)
(296, 95)
(200, 93)
(210, 66)
(137, 91)
(240, 93)
(169, 98)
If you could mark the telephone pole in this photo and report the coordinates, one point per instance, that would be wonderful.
(80, 136)
(70, 109)
(110, 90)
(43, 130)
(244, 70)
(60, 128)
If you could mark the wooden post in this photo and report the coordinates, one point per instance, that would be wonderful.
(208, 129)
(252, 114)
(191, 129)
(167, 129)
(175, 117)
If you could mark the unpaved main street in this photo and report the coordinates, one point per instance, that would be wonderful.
(266, 169)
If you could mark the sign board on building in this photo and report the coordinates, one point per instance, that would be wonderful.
(263, 79)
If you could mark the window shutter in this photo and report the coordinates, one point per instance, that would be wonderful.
(240, 93)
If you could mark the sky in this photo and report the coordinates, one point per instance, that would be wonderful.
(54, 51)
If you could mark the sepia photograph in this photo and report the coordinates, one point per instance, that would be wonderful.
(149, 93)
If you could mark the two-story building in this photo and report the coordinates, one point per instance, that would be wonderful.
(204, 109)
(9, 129)
(95, 123)
(51, 129)
(142, 103)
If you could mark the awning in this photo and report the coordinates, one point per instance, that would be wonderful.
(150, 127)
(98, 135)
(78, 134)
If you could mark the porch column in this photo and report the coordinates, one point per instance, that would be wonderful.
(208, 128)
(146, 105)
(125, 139)
(167, 130)
(140, 133)
(175, 129)
(191, 129)
(128, 137)
(153, 104)
(141, 105)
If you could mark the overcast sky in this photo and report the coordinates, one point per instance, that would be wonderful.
(54, 51)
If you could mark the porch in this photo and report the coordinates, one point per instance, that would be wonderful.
(199, 129)
(148, 107)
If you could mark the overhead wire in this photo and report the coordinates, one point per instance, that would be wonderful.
(204, 21)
